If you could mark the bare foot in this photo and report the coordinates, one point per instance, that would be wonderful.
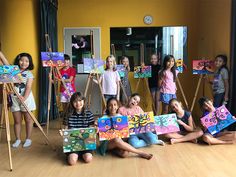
(173, 141)
(194, 141)
(146, 156)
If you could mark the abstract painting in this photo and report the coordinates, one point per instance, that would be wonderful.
(203, 67)
(52, 59)
(93, 65)
(142, 71)
(10, 74)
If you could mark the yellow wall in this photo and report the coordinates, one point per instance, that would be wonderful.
(20, 31)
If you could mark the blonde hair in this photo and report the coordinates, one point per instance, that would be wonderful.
(124, 57)
(112, 57)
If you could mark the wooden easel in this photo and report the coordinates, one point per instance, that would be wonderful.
(144, 79)
(54, 71)
(9, 88)
(113, 52)
(92, 77)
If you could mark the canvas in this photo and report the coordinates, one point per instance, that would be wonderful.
(166, 124)
(113, 127)
(79, 139)
(121, 70)
(142, 71)
(219, 119)
(203, 67)
(10, 74)
(141, 123)
(93, 66)
(52, 59)
(179, 65)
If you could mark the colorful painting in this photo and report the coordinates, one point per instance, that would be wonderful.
(10, 74)
(217, 120)
(113, 127)
(79, 139)
(141, 123)
(203, 67)
(142, 71)
(93, 65)
(52, 59)
(121, 70)
(166, 124)
(179, 65)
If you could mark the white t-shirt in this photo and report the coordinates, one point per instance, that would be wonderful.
(109, 82)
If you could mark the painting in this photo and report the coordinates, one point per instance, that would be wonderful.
(166, 124)
(215, 121)
(203, 67)
(142, 71)
(179, 65)
(10, 74)
(121, 70)
(141, 123)
(93, 66)
(52, 59)
(80, 139)
(113, 127)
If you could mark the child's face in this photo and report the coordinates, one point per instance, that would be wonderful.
(176, 106)
(170, 63)
(134, 101)
(113, 107)
(67, 63)
(154, 59)
(208, 106)
(219, 62)
(110, 63)
(78, 104)
(125, 62)
(24, 63)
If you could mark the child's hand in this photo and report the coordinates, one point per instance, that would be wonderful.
(226, 98)
(180, 122)
(61, 132)
(97, 130)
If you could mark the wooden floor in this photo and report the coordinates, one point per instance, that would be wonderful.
(180, 160)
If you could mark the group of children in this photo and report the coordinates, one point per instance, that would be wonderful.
(162, 87)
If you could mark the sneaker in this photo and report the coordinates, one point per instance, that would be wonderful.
(27, 143)
(16, 144)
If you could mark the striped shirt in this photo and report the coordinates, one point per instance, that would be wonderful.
(80, 120)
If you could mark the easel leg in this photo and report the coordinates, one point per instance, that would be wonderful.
(153, 101)
(32, 116)
(182, 92)
(49, 97)
(100, 87)
(87, 85)
(196, 92)
(7, 125)
(136, 88)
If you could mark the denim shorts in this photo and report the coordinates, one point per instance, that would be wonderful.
(166, 97)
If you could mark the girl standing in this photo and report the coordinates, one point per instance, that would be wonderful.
(221, 81)
(167, 84)
(79, 117)
(117, 145)
(25, 63)
(186, 125)
(110, 79)
(153, 82)
(125, 79)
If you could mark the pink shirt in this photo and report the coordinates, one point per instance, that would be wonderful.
(109, 82)
(168, 85)
(130, 111)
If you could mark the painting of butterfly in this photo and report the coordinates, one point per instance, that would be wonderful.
(121, 70)
(52, 59)
(80, 139)
(142, 71)
(203, 67)
(113, 127)
(215, 121)
(93, 65)
(10, 74)
(141, 123)
(179, 65)
(166, 124)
